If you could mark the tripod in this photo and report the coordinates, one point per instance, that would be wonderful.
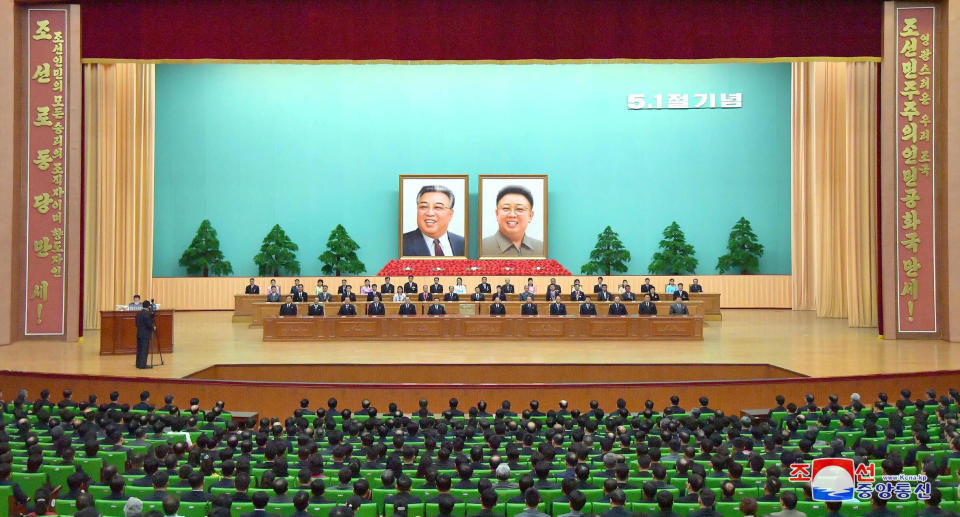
(155, 341)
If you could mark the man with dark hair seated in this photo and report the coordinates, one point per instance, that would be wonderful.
(531, 499)
(618, 501)
(707, 502)
(241, 484)
(403, 496)
(171, 504)
(85, 507)
(488, 501)
(788, 501)
(260, 500)
(160, 480)
(300, 503)
(5, 470)
(196, 493)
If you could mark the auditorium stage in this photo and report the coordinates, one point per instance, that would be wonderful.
(773, 348)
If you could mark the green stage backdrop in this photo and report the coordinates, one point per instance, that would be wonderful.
(310, 146)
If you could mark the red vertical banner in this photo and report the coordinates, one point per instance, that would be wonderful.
(916, 225)
(46, 168)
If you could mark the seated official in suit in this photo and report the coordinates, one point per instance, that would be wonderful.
(645, 286)
(528, 309)
(477, 295)
(289, 308)
(343, 287)
(425, 296)
(407, 308)
(678, 307)
(484, 286)
(617, 308)
(628, 295)
(577, 294)
(695, 287)
(293, 288)
(410, 286)
(316, 308)
(526, 296)
(324, 294)
(431, 239)
(647, 306)
(551, 294)
(497, 308)
(348, 295)
(252, 288)
(680, 293)
(376, 307)
(599, 285)
(653, 294)
(436, 309)
(507, 286)
(436, 287)
(386, 287)
(554, 285)
(274, 295)
(451, 296)
(300, 295)
(557, 308)
(603, 295)
(587, 308)
(347, 309)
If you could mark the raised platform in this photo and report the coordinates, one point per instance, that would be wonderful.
(454, 327)
(402, 268)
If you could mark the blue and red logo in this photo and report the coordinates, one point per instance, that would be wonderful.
(832, 479)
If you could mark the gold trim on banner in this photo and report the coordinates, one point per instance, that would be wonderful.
(869, 59)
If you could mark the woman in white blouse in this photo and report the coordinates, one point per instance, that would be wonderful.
(399, 295)
(459, 288)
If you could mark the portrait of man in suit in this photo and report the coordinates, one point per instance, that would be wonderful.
(515, 211)
(435, 209)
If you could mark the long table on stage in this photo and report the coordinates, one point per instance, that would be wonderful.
(118, 331)
(454, 326)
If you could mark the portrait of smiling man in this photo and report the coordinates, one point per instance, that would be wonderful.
(514, 213)
(435, 209)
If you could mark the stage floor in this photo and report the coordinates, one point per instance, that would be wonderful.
(795, 340)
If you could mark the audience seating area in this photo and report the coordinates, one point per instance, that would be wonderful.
(461, 461)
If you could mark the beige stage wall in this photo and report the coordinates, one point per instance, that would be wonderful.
(737, 291)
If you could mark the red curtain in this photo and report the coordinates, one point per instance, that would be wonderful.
(479, 29)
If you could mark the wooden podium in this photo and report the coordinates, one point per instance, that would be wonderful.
(118, 332)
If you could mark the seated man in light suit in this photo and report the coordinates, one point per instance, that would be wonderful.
(376, 308)
(497, 308)
(557, 308)
(617, 308)
(436, 309)
(407, 308)
(274, 295)
(136, 304)
(647, 306)
(528, 309)
(315, 309)
(451, 296)
(435, 205)
(526, 296)
(587, 308)
(680, 293)
(679, 308)
(347, 309)
(289, 308)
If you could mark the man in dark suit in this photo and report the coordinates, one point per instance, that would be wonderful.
(315, 309)
(557, 308)
(252, 288)
(617, 308)
(376, 308)
(528, 309)
(451, 296)
(587, 308)
(603, 295)
(386, 287)
(300, 295)
(144, 404)
(652, 292)
(618, 501)
(289, 308)
(347, 309)
(645, 286)
(477, 295)
(680, 293)
(260, 500)
(679, 308)
(599, 285)
(554, 285)
(484, 285)
(507, 287)
(293, 288)
(497, 308)
(647, 306)
(628, 295)
(410, 286)
(145, 329)
(348, 295)
(425, 297)
(196, 493)
(436, 287)
(407, 308)
(695, 287)
(431, 239)
(342, 288)
(577, 295)
(436, 309)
